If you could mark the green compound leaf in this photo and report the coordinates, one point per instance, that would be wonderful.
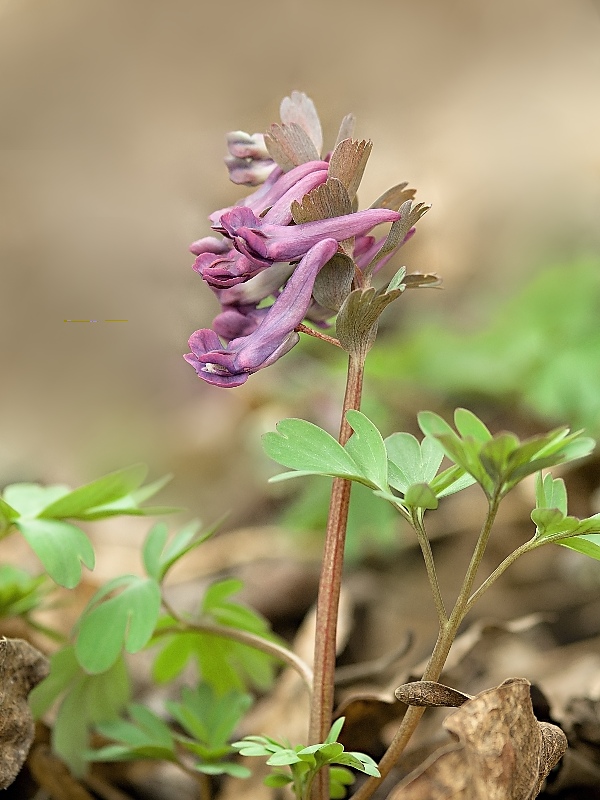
(126, 619)
(498, 463)
(209, 718)
(159, 556)
(553, 524)
(305, 447)
(87, 700)
(412, 463)
(99, 492)
(60, 546)
(550, 493)
(406, 463)
(339, 780)
(223, 663)
(464, 452)
(495, 455)
(450, 481)
(368, 765)
(278, 780)
(367, 449)
(547, 450)
(28, 499)
(7, 513)
(467, 424)
(589, 544)
(147, 736)
(335, 730)
(420, 495)
(20, 592)
(283, 757)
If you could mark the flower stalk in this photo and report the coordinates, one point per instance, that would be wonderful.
(330, 585)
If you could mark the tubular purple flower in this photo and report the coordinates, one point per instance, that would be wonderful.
(236, 321)
(210, 244)
(280, 212)
(366, 249)
(258, 288)
(249, 161)
(221, 272)
(277, 184)
(245, 145)
(248, 172)
(264, 243)
(230, 366)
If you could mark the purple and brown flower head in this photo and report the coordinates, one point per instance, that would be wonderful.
(296, 248)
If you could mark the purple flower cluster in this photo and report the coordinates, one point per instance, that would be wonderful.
(263, 266)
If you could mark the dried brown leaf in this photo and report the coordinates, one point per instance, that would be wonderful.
(21, 668)
(502, 751)
(430, 693)
(290, 145)
(348, 162)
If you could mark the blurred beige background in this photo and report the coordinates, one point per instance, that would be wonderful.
(112, 136)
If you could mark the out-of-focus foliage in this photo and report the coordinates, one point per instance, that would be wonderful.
(539, 349)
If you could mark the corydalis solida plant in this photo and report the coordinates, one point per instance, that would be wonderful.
(294, 249)
(300, 241)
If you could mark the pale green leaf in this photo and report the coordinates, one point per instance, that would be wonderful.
(126, 619)
(300, 445)
(60, 546)
(367, 449)
(103, 490)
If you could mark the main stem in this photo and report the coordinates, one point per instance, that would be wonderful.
(446, 636)
(329, 587)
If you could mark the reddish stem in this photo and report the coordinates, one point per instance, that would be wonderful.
(329, 587)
